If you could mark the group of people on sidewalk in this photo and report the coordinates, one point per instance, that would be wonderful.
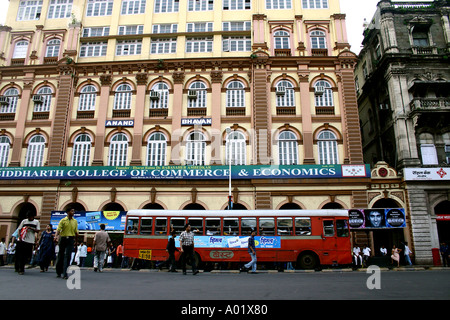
(363, 260)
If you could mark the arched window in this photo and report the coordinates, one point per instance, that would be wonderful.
(428, 149)
(35, 151)
(195, 149)
(159, 96)
(287, 148)
(235, 94)
(20, 50)
(323, 93)
(10, 106)
(236, 148)
(5, 145)
(45, 99)
(118, 150)
(328, 147)
(197, 95)
(122, 97)
(81, 150)
(318, 39)
(281, 38)
(285, 94)
(156, 149)
(53, 48)
(87, 98)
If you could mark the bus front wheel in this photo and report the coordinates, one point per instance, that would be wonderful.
(307, 260)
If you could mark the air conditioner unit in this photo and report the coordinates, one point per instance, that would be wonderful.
(154, 95)
(4, 100)
(281, 90)
(38, 99)
(192, 94)
(319, 90)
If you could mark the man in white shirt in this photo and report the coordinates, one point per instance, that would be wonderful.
(366, 255)
(28, 237)
(407, 252)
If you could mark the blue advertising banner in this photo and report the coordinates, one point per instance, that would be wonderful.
(377, 218)
(262, 242)
(91, 220)
(186, 172)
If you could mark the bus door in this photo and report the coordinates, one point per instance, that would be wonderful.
(329, 243)
(343, 246)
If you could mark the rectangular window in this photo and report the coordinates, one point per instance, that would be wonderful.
(237, 26)
(200, 27)
(236, 44)
(230, 226)
(328, 228)
(237, 4)
(146, 226)
(93, 49)
(266, 226)
(213, 226)
(59, 9)
(98, 8)
(315, 4)
(127, 30)
(132, 225)
(284, 226)
(196, 224)
(29, 10)
(447, 154)
(200, 5)
(278, 4)
(96, 32)
(133, 6)
(163, 45)
(160, 226)
(247, 226)
(165, 28)
(163, 6)
(128, 47)
(429, 154)
(303, 226)
(194, 45)
(177, 224)
(342, 228)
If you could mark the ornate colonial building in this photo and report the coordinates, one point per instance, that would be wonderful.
(113, 105)
(403, 87)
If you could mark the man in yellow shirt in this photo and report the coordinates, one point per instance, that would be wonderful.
(66, 236)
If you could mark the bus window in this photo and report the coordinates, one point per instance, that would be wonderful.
(328, 228)
(303, 226)
(212, 226)
(247, 226)
(230, 226)
(132, 225)
(284, 226)
(266, 226)
(160, 226)
(178, 224)
(196, 224)
(146, 226)
(342, 228)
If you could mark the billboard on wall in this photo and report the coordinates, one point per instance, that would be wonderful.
(186, 172)
(377, 218)
(91, 220)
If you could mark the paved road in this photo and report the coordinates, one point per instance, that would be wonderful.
(153, 285)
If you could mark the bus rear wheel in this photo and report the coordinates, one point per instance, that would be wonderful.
(307, 260)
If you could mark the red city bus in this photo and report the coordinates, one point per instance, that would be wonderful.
(309, 238)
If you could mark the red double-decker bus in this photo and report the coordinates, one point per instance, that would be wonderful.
(308, 238)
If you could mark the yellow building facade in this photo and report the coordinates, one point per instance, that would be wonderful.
(117, 105)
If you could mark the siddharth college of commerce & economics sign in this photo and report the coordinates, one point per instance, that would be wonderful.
(187, 172)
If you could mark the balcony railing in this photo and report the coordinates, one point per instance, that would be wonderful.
(284, 111)
(283, 52)
(324, 110)
(430, 104)
(319, 52)
(424, 50)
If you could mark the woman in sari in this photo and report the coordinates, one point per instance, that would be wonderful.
(46, 248)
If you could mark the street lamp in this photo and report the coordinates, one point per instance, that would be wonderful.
(230, 201)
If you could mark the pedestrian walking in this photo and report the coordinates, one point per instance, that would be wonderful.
(82, 252)
(101, 241)
(395, 255)
(66, 236)
(170, 248)
(2, 252)
(366, 255)
(28, 237)
(46, 251)
(187, 248)
(407, 252)
(252, 252)
(445, 254)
